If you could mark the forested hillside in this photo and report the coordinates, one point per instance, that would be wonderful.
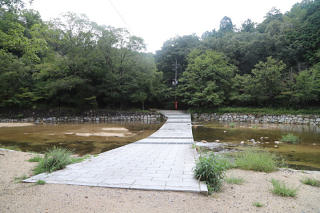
(71, 62)
(74, 62)
(274, 63)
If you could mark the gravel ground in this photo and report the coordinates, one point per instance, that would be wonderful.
(26, 197)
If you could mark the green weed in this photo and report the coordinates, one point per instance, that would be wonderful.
(211, 168)
(20, 179)
(279, 188)
(257, 204)
(290, 138)
(234, 180)
(232, 125)
(40, 182)
(54, 159)
(35, 159)
(80, 159)
(257, 161)
(311, 182)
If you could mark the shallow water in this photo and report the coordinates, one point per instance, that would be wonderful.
(304, 155)
(84, 138)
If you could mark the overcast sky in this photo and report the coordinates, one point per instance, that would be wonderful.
(159, 20)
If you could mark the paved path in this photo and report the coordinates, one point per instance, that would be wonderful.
(162, 161)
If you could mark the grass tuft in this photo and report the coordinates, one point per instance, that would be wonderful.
(20, 179)
(35, 159)
(80, 159)
(257, 204)
(290, 138)
(211, 168)
(234, 180)
(232, 125)
(279, 188)
(55, 159)
(257, 161)
(311, 182)
(40, 182)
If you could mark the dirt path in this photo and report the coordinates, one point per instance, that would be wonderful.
(25, 197)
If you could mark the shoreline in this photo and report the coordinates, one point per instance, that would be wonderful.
(22, 197)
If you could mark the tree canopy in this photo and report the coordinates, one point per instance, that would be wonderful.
(74, 62)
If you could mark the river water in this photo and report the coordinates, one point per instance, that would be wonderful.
(84, 138)
(304, 155)
(94, 138)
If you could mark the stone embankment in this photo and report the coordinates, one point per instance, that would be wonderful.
(148, 117)
(281, 119)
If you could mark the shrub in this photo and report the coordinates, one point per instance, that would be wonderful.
(257, 204)
(54, 159)
(290, 138)
(257, 161)
(279, 188)
(311, 182)
(211, 168)
(234, 180)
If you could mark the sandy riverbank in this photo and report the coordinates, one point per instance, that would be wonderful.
(15, 124)
(26, 197)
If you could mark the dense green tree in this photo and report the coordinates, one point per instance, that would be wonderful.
(175, 51)
(226, 25)
(74, 62)
(206, 81)
(248, 26)
(308, 86)
(267, 81)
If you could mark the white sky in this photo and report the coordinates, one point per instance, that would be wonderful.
(159, 20)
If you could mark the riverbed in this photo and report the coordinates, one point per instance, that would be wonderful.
(80, 138)
(303, 155)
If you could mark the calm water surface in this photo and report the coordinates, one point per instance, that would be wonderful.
(304, 155)
(80, 138)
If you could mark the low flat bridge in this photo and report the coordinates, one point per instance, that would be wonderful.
(162, 161)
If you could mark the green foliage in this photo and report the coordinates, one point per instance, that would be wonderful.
(35, 159)
(205, 82)
(307, 88)
(257, 161)
(232, 125)
(234, 180)
(80, 159)
(211, 168)
(74, 62)
(40, 182)
(257, 204)
(311, 182)
(263, 86)
(290, 138)
(54, 159)
(20, 179)
(280, 188)
(175, 50)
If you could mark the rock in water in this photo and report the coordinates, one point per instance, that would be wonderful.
(216, 147)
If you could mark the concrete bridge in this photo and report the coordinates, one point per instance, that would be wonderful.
(162, 161)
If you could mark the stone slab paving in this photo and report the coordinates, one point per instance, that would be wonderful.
(163, 161)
